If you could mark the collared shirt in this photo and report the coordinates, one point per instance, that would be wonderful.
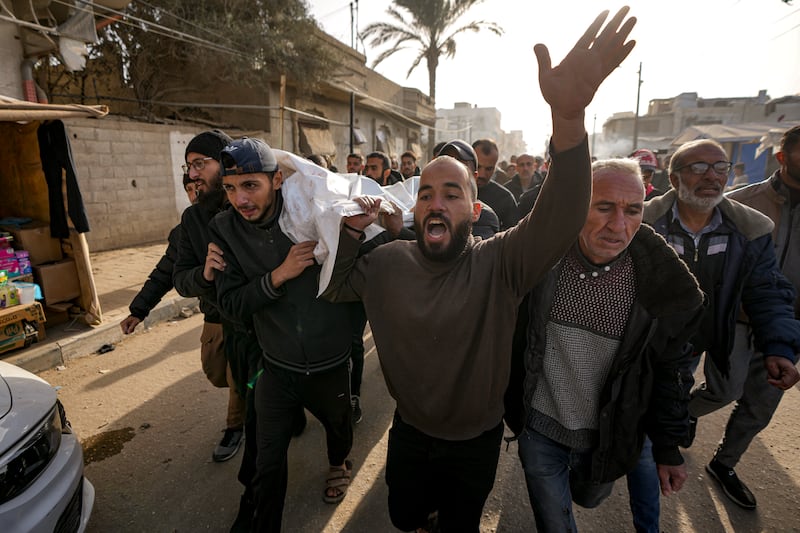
(704, 253)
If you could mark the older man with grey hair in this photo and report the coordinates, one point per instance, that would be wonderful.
(607, 361)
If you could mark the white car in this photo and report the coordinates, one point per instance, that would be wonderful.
(42, 488)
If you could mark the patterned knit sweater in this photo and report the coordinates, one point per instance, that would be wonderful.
(585, 327)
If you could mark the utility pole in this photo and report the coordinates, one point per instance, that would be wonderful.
(283, 105)
(352, 119)
(352, 28)
(636, 117)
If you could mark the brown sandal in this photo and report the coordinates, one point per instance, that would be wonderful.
(337, 482)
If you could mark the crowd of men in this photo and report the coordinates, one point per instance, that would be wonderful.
(573, 304)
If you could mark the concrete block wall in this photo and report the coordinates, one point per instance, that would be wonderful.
(10, 58)
(126, 175)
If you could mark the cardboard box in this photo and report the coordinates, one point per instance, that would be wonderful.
(20, 326)
(57, 313)
(59, 281)
(35, 238)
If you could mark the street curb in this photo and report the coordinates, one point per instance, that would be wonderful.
(37, 358)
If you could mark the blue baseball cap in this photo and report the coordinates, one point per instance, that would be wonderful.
(248, 156)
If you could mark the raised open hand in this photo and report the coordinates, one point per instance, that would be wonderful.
(570, 86)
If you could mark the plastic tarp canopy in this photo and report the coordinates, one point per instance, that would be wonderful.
(315, 200)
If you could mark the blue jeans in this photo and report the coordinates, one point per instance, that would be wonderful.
(644, 490)
(556, 476)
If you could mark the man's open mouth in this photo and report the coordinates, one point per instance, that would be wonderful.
(436, 228)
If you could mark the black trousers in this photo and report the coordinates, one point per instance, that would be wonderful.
(244, 357)
(357, 347)
(426, 474)
(279, 393)
(56, 155)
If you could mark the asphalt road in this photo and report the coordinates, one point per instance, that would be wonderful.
(149, 420)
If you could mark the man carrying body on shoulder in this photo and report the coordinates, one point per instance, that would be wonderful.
(378, 168)
(408, 165)
(612, 321)
(305, 341)
(355, 163)
(445, 346)
(489, 191)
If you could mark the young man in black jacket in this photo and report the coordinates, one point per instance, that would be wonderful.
(265, 278)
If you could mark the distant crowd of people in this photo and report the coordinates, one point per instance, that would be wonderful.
(568, 300)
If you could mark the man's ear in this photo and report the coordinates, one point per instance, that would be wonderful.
(476, 211)
(387, 172)
(277, 180)
(780, 157)
(673, 179)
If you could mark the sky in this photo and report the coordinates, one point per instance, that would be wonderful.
(716, 48)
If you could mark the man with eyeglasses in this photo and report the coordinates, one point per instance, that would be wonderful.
(728, 247)
(779, 198)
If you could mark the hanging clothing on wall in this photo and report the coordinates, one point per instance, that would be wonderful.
(56, 155)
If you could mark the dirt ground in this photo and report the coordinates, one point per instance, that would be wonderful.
(149, 420)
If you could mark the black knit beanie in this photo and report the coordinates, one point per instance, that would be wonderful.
(209, 143)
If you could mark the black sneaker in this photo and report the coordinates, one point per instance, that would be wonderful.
(731, 484)
(228, 446)
(355, 403)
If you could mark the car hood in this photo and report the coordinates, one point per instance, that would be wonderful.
(24, 400)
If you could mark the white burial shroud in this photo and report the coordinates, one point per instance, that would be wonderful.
(315, 200)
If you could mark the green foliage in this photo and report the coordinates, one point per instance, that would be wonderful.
(428, 26)
(187, 48)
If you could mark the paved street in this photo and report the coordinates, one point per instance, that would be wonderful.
(149, 421)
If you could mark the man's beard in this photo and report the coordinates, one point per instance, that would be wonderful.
(212, 199)
(441, 253)
(701, 204)
(792, 175)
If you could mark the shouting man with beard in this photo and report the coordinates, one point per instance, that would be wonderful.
(443, 309)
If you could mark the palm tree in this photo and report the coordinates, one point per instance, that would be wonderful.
(430, 29)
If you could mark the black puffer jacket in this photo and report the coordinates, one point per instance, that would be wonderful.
(647, 390)
(159, 282)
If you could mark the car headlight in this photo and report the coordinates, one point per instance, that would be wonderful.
(26, 461)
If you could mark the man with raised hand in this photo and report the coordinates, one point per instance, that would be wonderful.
(444, 346)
